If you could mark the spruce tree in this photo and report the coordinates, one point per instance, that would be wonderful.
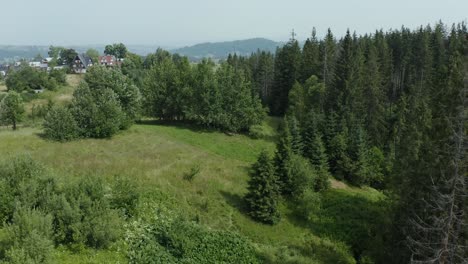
(282, 158)
(287, 65)
(296, 137)
(263, 191)
(328, 59)
(310, 64)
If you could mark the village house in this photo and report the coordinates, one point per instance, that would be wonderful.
(81, 63)
(109, 61)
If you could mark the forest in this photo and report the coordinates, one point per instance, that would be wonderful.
(340, 150)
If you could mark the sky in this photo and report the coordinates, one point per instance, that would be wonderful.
(177, 23)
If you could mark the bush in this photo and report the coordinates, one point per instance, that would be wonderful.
(180, 241)
(308, 204)
(80, 213)
(29, 79)
(125, 196)
(303, 176)
(60, 125)
(98, 115)
(83, 215)
(60, 76)
(29, 237)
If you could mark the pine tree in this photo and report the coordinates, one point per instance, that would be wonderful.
(263, 191)
(282, 158)
(296, 136)
(287, 63)
(328, 59)
(310, 64)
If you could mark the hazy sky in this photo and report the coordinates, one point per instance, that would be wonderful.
(183, 22)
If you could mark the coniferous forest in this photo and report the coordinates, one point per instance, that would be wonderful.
(291, 140)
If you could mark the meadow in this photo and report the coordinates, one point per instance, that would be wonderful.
(201, 174)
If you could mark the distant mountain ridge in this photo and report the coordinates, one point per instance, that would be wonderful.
(220, 50)
(214, 50)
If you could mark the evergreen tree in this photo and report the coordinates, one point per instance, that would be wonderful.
(287, 63)
(282, 158)
(328, 52)
(310, 64)
(296, 136)
(263, 192)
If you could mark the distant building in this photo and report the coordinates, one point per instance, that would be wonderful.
(39, 65)
(81, 63)
(109, 61)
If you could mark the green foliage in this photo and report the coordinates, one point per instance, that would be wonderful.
(104, 103)
(303, 177)
(118, 50)
(165, 92)
(83, 215)
(11, 109)
(283, 157)
(94, 55)
(28, 238)
(29, 79)
(221, 99)
(194, 171)
(263, 191)
(77, 213)
(67, 57)
(60, 125)
(308, 204)
(287, 66)
(98, 115)
(168, 240)
(297, 145)
(125, 196)
(128, 95)
(60, 76)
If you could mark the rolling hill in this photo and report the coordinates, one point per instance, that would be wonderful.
(220, 50)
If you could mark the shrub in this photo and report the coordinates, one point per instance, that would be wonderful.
(80, 213)
(29, 237)
(180, 241)
(60, 125)
(98, 115)
(308, 204)
(125, 196)
(29, 79)
(83, 215)
(303, 176)
(60, 76)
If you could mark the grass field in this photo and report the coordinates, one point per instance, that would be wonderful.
(157, 156)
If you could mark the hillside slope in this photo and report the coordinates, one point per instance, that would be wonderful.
(220, 50)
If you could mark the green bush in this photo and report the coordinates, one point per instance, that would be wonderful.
(125, 196)
(98, 115)
(180, 241)
(29, 79)
(308, 204)
(29, 237)
(60, 125)
(80, 213)
(83, 215)
(60, 76)
(303, 176)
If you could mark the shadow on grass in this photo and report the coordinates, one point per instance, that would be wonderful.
(355, 218)
(179, 124)
(194, 127)
(235, 200)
